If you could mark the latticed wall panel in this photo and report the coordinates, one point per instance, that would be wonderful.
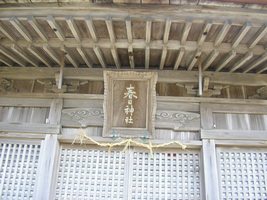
(243, 173)
(169, 175)
(18, 164)
(90, 174)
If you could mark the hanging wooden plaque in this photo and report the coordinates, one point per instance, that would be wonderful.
(129, 104)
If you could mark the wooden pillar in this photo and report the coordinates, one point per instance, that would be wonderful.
(210, 173)
(45, 187)
(55, 111)
(206, 116)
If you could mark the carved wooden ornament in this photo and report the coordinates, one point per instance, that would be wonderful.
(129, 104)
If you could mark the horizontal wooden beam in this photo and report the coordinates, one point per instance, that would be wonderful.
(241, 109)
(164, 76)
(30, 128)
(105, 43)
(25, 102)
(233, 134)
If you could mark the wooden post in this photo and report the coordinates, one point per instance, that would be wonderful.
(206, 116)
(46, 173)
(210, 173)
(55, 111)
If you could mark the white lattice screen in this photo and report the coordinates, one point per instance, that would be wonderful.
(18, 170)
(243, 173)
(169, 175)
(90, 174)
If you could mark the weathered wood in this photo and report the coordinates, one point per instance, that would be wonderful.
(84, 56)
(110, 29)
(241, 34)
(55, 27)
(186, 30)
(147, 57)
(91, 27)
(148, 29)
(206, 116)
(30, 128)
(51, 53)
(20, 28)
(100, 56)
(55, 111)
(163, 58)
(256, 63)
(131, 56)
(22, 54)
(12, 56)
(39, 55)
(167, 30)
(211, 190)
(194, 59)
(234, 134)
(6, 61)
(204, 32)
(25, 102)
(165, 76)
(258, 36)
(223, 32)
(212, 56)
(32, 21)
(45, 184)
(115, 56)
(243, 60)
(225, 61)
(73, 28)
(226, 108)
(7, 32)
(179, 58)
(129, 29)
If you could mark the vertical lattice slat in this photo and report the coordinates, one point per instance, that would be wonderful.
(170, 175)
(18, 169)
(85, 173)
(243, 173)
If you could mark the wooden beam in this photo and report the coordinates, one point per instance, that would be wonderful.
(22, 54)
(226, 60)
(206, 116)
(73, 28)
(210, 59)
(129, 29)
(206, 82)
(164, 76)
(234, 134)
(90, 24)
(242, 61)
(186, 31)
(179, 58)
(241, 34)
(147, 57)
(39, 30)
(51, 53)
(55, 27)
(6, 61)
(256, 63)
(167, 30)
(204, 32)
(70, 56)
(223, 32)
(194, 59)
(111, 32)
(115, 55)
(163, 58)
(148, 29)
(139, 44)
(258, 36)
(7, 32)
(241, 109)
(20, 28)
(84, 56)
(39, 55)
(262, 69)
(100, 56)
(12, 56)
(131, 56)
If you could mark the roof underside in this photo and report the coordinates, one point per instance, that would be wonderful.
(166, 37)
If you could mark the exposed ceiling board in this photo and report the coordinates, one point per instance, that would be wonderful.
(214, 31)
(139, 58)
(101, 29)
(123, 55)
(195, 31)
(81, 25)
(139, 30)
(157, 30)
(233, 31)
(120, 29)
(155, 56)
(176, 31)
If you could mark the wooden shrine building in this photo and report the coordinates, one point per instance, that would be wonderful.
(167, 97)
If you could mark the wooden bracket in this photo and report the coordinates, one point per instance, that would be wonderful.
(6, 85)
(261, 93)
